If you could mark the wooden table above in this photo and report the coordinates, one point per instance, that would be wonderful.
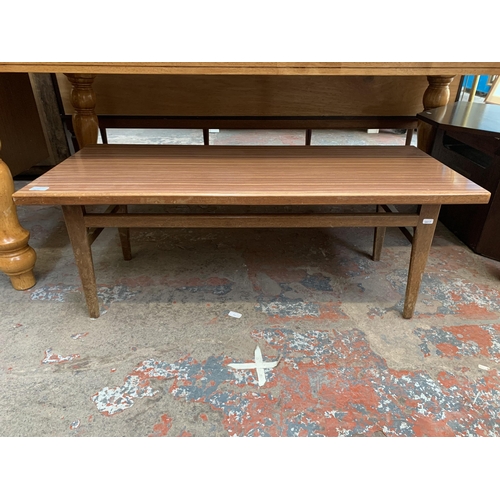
(260, 68)
(17, 258)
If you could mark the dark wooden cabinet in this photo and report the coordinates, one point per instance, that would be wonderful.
(467, 139)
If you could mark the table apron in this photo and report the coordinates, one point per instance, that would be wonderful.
(251, 220)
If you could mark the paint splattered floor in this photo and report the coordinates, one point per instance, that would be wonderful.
(156, 363)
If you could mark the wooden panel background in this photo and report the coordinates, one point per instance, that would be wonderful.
(243, 95)
(21, 133)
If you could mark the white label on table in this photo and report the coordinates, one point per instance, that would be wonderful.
(39, 188)
(428, 221)
(234, 314)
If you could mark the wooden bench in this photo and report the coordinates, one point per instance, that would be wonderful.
(124, 175)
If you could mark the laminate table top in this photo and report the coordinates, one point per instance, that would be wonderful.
(250, 175)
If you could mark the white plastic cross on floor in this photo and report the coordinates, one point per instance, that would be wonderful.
(259, 365)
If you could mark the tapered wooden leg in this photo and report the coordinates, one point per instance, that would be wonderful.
(124, 233)
(17, 258)
(409, 137)
(422, 240)
(83, 100)
(104, 135)
(309, 133)
(436, 95)
(73, 216)
(378, 240)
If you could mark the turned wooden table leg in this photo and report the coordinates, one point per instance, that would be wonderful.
(83, 100)
(436, 95)
(17, 258)
(421, 245)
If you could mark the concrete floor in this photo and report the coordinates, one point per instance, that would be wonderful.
(156, 363)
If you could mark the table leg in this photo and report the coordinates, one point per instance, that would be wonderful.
(73, 216)
(308, 137)
(124, 233)
(422, 240)
(83, 100)
(378, 240)
(17, 258)
(436, 95)
(409, 137)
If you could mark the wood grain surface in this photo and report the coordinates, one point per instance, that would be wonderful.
(22, 142)
(250, 220)
(255, 95)
(253, 175)
(258, 68)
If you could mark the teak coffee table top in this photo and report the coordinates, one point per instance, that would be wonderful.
(250, 175)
